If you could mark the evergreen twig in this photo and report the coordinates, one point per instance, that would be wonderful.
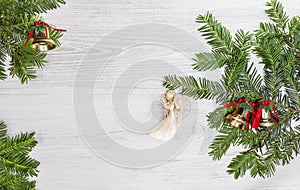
(277, 45)
(16, 20)
(17, 168)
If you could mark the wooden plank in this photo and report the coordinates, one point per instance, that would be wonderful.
(46, 104)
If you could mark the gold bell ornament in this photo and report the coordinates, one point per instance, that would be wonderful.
(239, 118)
(42, 40)
(267, 119)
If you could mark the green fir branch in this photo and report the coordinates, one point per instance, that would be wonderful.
(16, 166)
(234, 69)
(216, 118)
(202, 88)
(241, 163)
(205, 61)
(222, 142)
(271, 53)
(277, 14)
(277, 46)
(25, 62)
(216, 35)
(16, 20)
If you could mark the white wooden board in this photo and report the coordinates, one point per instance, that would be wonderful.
(45, 105)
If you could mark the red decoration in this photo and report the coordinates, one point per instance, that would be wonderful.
(241, 100)
(257, 108)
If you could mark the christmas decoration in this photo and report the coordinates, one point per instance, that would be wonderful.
(167, 127)
(170, 111)
(259, 112)
(20, 20)
(17, 20)
(42, 39)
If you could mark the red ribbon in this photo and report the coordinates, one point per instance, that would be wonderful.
(256, 118)
(39, 22)
(275, 113)
(241, 100)
(254, 113)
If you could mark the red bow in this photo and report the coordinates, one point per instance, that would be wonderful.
(39, 22)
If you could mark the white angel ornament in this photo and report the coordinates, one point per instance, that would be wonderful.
(172, 114)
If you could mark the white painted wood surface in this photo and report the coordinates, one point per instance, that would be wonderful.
(45, 105)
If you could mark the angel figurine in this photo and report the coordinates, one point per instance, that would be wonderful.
(171, 115)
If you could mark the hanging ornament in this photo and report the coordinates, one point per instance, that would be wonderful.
(239, 118)
(42, 39)
(263, 114)
(266, 115)
(267, 119)
(170, 109)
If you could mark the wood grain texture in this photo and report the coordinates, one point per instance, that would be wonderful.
(45, 105)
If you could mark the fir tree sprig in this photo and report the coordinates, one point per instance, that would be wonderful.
(277, 45)
(16, 166)
(16, 20)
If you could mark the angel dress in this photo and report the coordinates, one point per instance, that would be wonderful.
(166, 129)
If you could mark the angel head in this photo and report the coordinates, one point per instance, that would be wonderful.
(170, 96)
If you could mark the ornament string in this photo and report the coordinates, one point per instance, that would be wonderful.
(38, 23)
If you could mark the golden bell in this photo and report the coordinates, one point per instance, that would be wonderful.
(238, 119)
(267, 119)
(43, 42)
